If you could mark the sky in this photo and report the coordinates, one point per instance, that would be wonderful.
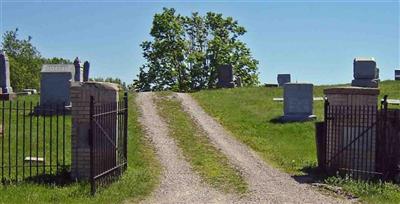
(314, 41)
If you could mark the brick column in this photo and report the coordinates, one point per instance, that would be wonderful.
(103, 93)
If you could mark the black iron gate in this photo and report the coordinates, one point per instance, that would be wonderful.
(108, 141)
(357, 141)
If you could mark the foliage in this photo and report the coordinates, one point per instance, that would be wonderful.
(111, 80)
(187, 50)
(25, 61)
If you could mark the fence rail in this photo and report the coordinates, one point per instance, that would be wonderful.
(108, 141)
(34, 140)
(359, 141)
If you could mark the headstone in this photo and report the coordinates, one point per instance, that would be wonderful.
(225, 77)
(397, 74)
(283, 79)
(77, 75)
(5, 74)
(365, 73)
(298, 102)
(55, 83)
(86, 68)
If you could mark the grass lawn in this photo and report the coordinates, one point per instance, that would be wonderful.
(138, 181)
(249, 112)
(212, 165)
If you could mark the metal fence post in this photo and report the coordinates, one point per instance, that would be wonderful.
(126, 129)
(91, 140)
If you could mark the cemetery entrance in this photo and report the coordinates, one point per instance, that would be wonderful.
(34, 141)
(360, 141)
(108, 141)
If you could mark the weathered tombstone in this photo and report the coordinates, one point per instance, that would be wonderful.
(298, 102)
(238, 82)
(6, 90)
(365, 73)
(397, 74)
(225, 77)
(103, 93)
(77, 75)
(86, 68)
(283, 79)
(55, 83)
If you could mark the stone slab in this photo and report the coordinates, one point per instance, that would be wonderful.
(350, 90)
(8, 96)
(314, 99)
(298, 101)
(225, 77)
(283, 79)
(5, 83)
(364, 68)
(397, 74)
(371, 83)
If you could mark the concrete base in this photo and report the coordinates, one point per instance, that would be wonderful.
(225, 85)
(365, 83)
(8, 96)
(297, 118)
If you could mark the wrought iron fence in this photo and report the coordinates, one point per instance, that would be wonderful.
(357, 141)
(108, 141)
(34, 141)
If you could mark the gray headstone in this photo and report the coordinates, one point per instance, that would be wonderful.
(86, 68)
(298, 102)
(365, 73)
(397, 74)
(283, 79)
(55, 84)
(225, 77)
(5, 74)
(77, 64)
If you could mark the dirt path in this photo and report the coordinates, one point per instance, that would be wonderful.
(179, 184)
(267, 185)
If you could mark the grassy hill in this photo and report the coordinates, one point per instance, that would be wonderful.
(249, 114)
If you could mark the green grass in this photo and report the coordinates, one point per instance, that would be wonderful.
(138, 181)
(248, 113)
(211, 164)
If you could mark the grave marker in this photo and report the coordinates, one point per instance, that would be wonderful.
(283, 79)
(225, 77)
(365, 73)
(298, 102)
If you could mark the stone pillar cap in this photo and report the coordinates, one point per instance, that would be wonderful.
(105, 85)
(351, 90)
(358, 59)
(297, 83)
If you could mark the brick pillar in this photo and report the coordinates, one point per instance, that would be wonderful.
(345, 131)
(103, 93)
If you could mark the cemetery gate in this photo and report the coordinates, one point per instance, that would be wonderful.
(359, 141)
(34, 141)
(108, 141)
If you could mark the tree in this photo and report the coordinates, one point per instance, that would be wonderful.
(25, 61)
(186, 51)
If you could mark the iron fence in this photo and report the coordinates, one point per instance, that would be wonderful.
(108, 141)
(359, 141)
(34, 141)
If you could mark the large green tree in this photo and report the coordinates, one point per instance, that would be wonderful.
(25, 61)
(186, 51)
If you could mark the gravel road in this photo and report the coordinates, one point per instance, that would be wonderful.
(267, 185)
(179, 184)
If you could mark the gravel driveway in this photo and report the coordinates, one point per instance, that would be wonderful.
(267, 185)
(179, 184)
